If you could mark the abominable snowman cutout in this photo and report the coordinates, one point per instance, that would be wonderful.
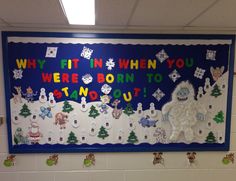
(89, 96)
(183, 112)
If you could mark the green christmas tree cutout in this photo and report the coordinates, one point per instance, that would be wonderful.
(219, 117)
(72, 139)
(93, 112)
(102, 133)
(25, 111)
(216, 91)
(128, 110)
(67, 107)
(211, 138)
(132, 138)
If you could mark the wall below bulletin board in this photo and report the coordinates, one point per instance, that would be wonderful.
(111, 92)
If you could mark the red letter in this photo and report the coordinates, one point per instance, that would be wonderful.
(93, 95)
(123, 63)
(57, 94)
(65, 78)
(75, 62)
(142, 64)
(47, 77)
(97, 63)
(100, 78)
(180, 63)
(74, 78)
(136, 92)
(31, 63)
(170, 63)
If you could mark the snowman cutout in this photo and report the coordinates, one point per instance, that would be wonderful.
(152, 110)
(120, 136)
(93, 129)
(207, 84)
(132, 125)
(61, 138)
(75, 122)
(42, 96)
(83, 137)
(140, 110)
(50, 138)
(15, 118)
(200, 93)
(146, 135)
(83, 104)
(51, 100)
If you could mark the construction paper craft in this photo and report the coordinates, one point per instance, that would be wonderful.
(70, 92)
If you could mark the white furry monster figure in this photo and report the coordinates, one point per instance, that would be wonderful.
(183, 111)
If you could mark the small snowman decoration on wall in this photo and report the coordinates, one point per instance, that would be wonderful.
(42, 97)
(51, 100)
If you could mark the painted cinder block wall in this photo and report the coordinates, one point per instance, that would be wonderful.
(116, 166)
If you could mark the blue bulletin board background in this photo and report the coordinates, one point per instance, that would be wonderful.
(185, 58)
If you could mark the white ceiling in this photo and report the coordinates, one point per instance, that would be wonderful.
(124, 15)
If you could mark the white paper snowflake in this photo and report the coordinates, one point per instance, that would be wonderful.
(51, 52)
(162, 55)
(158, 94)
(174, 75)
(199, 73)
(106, 89)
(87, 79)
(86, 53)
(211, 55)
(110, 64)
(17, 73)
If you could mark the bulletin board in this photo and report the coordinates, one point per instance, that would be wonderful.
(76, 92)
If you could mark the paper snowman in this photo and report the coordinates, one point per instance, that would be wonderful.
(51, 100)
(140, 109)
(207, 84)
(42, 96)
(200, 93)
(83, 104)
(152, 110)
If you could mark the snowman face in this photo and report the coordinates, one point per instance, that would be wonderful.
(34, 130)
(87, 79)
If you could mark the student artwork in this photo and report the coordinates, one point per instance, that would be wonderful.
(29, 95)
(191, 157)
(45, 112)
(19, 137)
(52, 160)
(117, 92)
(158, 158)
(229, 158)
(34, 134)
(10, 161)
(61, 119)
(116, 113)
(17, 98)
(89, 160)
